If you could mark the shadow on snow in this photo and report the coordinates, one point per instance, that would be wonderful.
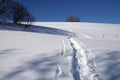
(43, 67)
(37, 29)
(112, 60)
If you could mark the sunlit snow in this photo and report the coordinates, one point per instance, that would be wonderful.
(60, 51)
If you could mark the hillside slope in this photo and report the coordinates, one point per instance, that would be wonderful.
(60, 51)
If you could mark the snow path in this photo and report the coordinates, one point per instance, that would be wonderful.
(79, 63)
(85, 36)
(80, 67)
(58, 72)
(64, 65)
(79, 35)
(75, 65)
(75, 62)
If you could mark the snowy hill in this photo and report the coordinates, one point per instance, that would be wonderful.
(60, 51)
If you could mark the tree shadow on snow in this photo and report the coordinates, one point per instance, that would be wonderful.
(37, 29)
(7, 51)
(112, 60)
(40, 66)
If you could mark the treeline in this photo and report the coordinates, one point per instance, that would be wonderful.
(12, 11)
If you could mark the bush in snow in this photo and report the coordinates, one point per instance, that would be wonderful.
(73, 19)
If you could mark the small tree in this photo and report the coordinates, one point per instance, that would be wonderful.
(21, 14)
(18, 12)
(14, 11)
(28, 19)
(73, 19)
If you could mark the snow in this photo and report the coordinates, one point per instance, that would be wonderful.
(22, 52)
(60, 51)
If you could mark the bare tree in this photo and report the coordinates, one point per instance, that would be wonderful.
(28, 19)
(5, 7)
(18, 12)
(21, 14)
(73, 19)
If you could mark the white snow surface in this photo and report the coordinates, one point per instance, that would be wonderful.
(60, 51)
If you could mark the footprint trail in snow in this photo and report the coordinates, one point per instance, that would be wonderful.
(80, 65)
(75, 62)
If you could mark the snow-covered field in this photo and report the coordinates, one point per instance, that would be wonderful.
(60, 51)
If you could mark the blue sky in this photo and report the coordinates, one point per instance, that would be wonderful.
(103, 11)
